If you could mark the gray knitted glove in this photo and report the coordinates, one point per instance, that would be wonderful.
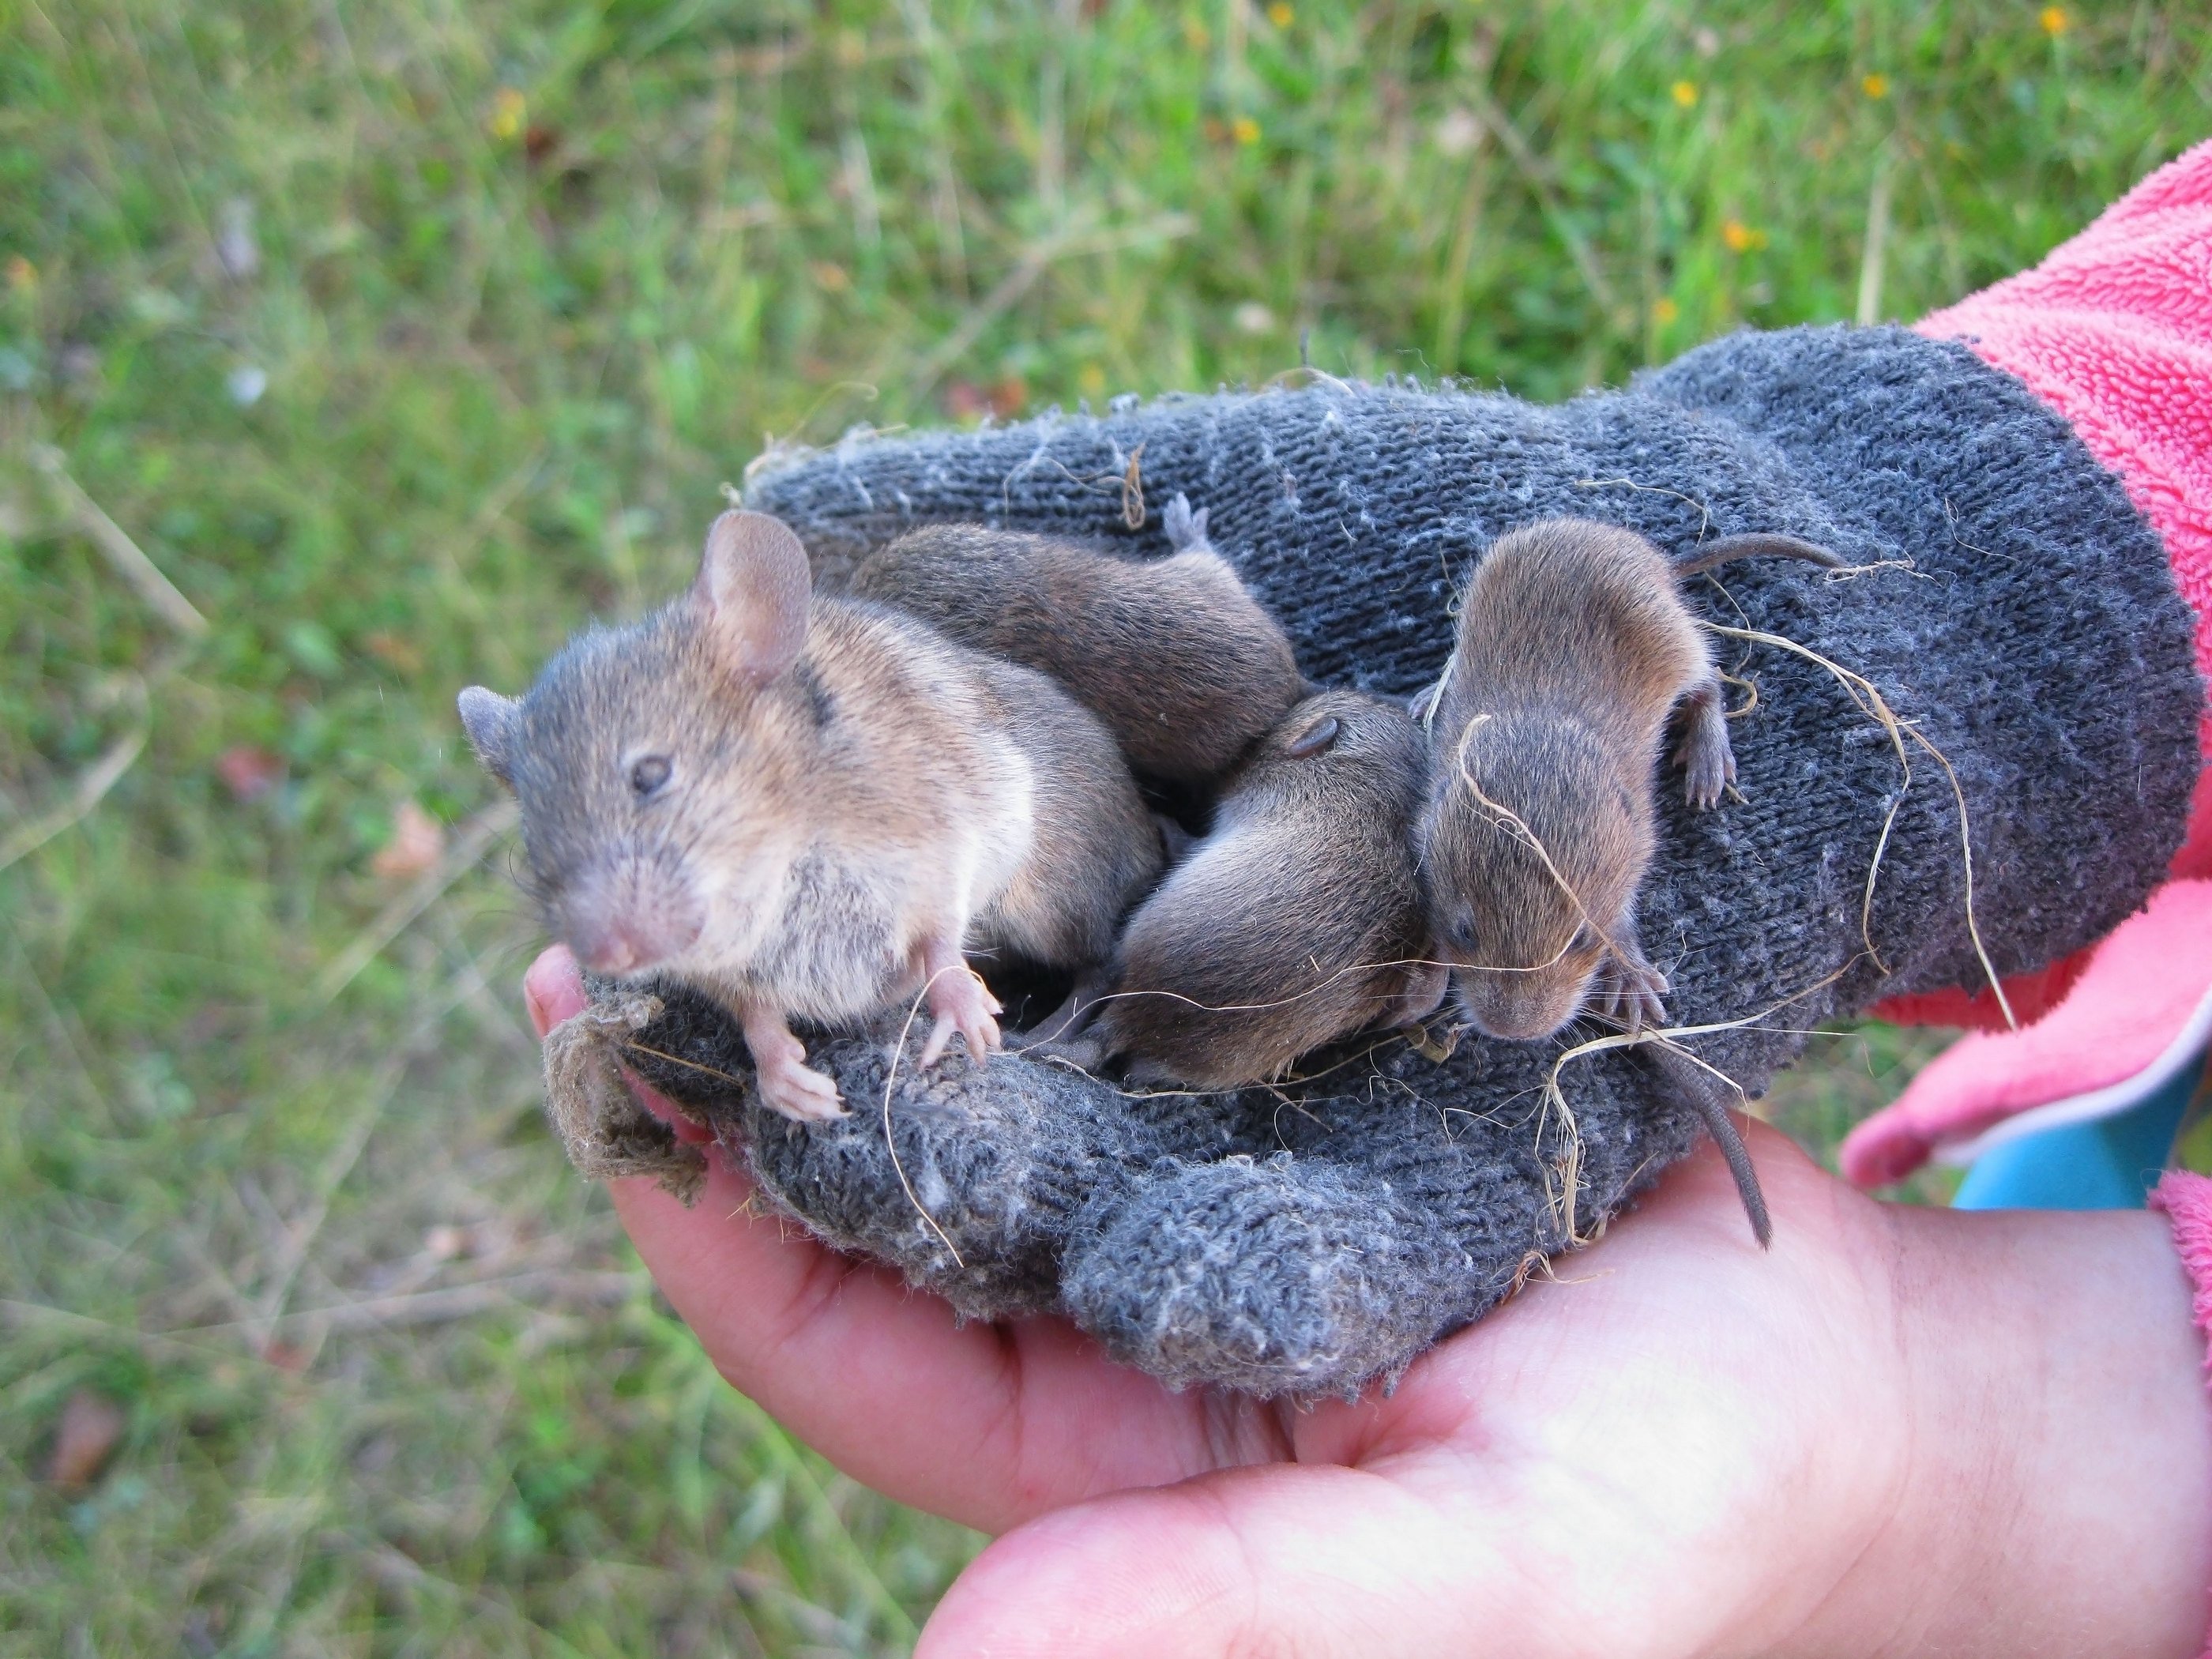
(1305, 1238)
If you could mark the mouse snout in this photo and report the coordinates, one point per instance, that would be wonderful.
(627, 919)
(1518, 1007)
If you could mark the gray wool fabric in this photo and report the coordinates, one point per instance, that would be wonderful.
(2011, 606)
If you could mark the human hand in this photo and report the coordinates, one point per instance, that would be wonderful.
(1898, 1432)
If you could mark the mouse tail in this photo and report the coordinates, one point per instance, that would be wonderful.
(1757, 545)
(1698, 1086)
(1721, 1128)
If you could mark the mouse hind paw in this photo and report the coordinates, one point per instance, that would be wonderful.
(1703, 753)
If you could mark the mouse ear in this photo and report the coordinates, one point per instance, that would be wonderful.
(754, 586)
(489, 718)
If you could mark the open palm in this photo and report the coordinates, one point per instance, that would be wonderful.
(1678, 1445)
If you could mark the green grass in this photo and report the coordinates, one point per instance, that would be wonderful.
(531, 281)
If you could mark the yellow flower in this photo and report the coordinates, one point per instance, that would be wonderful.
(2054, 20)
(1741, 237)
(1279, 14)
(22, 274)
(1685, 93)
(829, 277)
(1195, 34)
(1091, 378)
(1664, 310)
(1875, 86)
(509, 107)
(1245, 130)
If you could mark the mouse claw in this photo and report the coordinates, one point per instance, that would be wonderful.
(961, 1002)
(798, 1091)
(1629, 992)
(1705, 779)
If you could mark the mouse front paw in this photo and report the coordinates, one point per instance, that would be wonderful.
(1628, 991)
(786, 1083)
(795, 1088)
(961, 1002)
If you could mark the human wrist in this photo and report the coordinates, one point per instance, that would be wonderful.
(2057, 1476)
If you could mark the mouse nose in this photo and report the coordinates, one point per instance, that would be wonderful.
(625, 947)
(617, 932)
(1506, 1013)
(611, 952)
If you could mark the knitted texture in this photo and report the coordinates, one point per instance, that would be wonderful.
(2114, 330)
(1303, 1238)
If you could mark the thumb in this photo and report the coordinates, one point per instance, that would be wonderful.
(1280, 1559)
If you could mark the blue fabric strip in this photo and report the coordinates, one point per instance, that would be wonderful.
(2108, 1164)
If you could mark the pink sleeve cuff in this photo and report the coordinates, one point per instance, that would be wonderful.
(2187, 1201)
(2114, 330)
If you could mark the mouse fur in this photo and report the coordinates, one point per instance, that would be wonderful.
(1574, 655)
(810, 808)
(1178, 658)
(1297, 920)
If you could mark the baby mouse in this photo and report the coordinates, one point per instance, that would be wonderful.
(1298, 919)
(1574, 653)
(1174, 654)
(810, 808)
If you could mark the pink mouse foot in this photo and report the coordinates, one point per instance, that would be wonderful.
(961, 1002)
(798, 1091)
(786, 1081)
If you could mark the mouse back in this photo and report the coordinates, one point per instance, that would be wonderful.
(1094, 849)
(1297, 921)
(1576, 614)
(1183, 664)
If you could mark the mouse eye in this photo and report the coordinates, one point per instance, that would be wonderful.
(1585, 938)
(1459, 932)
(648, 776)
(1315, 738)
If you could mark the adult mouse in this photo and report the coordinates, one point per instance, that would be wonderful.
(811, 808)
(1178, 658)
(1574, 654)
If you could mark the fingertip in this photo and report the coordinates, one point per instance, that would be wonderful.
(553, 988)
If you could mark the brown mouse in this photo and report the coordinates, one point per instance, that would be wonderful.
(811, 807)
(1174, 654)
(1575, 652)
(1297, 921)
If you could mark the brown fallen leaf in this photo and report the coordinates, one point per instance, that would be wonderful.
(285, 1356)
(90, 1429)
(418, 841)
(965, 400)
(248, 771)
(394, 651)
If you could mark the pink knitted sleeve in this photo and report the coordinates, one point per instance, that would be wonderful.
(2187, 1201)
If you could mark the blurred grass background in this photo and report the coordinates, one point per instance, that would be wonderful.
(403, 336)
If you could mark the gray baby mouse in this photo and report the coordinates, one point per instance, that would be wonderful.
(1297, 921)
(1575, 652)
(811, 808)
(1174, 654)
